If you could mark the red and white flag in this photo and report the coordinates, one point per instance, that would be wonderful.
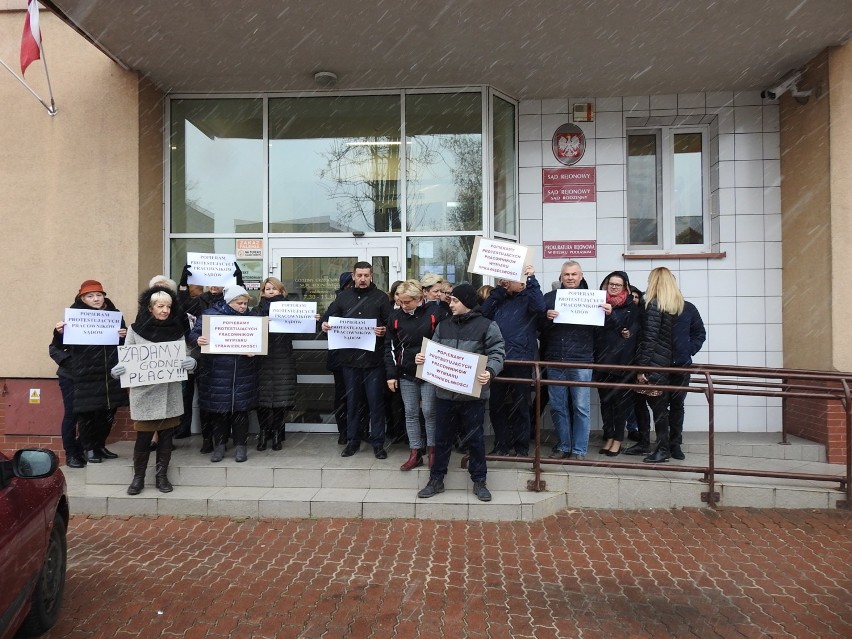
(31, 39)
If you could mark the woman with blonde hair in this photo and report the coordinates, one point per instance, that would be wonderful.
(663, 303)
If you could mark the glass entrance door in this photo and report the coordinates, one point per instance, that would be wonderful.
(310, 269)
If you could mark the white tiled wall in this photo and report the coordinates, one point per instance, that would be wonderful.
(739, 296)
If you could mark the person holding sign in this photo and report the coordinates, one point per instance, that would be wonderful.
(517, 307)
(155, 408)
(96, 395)
(408, 325)
(227, 384)
(276, 373)
(467, 330)
(615, 343)
(363, 371)
(568, 343)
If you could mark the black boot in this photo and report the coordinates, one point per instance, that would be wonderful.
(164, 456)
(661, 454)
(262, 438)
(140, 466)
(642, 447)
(277, 438)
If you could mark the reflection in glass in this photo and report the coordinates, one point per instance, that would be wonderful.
(216, 151)
(505, 168)
(688, 203)
(643, 189)
(444, 155)
(314, 279)
(334, 164)
(446, 256)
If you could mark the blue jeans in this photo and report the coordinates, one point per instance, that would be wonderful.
(418, 396)
(572, 427)
(467, 417)
(365, 385)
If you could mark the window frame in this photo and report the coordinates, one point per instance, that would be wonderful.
(666, 218)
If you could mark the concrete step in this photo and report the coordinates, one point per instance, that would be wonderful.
(309, 479)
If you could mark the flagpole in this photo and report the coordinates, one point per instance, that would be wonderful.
(50, 110)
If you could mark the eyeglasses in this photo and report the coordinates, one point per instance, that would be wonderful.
(611, 285)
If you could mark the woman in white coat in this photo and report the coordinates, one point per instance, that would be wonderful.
(156, 408)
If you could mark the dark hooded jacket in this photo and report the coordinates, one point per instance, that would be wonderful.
(90, 366)
(656, 347)
(226, 383)
(611, 347)
(518, 317)
(276, 369)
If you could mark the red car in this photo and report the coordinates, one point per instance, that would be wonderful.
(33, 521)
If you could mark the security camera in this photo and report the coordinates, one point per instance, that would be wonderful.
(787, 83)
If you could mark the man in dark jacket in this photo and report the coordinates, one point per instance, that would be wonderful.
(569, 343)
(687, 339)
(517, 308)
(363, 371)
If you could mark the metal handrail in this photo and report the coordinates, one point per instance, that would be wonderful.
(709, 380)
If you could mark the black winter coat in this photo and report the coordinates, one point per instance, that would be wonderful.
(405, 337)
(277, 369)
(565, 342)
(518, 317)
(226, 383)
(688, 336)
(362, 303)
(656, 346)
(94, 387)
(611, 347)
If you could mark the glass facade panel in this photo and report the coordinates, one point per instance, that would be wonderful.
(643, 189)
(444, 155)
(688, 187)
(315, 279)
(505, 168)
(216, 149)
(446, 256)
(334, 164)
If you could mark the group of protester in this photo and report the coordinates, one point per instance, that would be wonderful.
(510, 321)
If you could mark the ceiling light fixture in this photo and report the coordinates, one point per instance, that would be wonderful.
(325, 79)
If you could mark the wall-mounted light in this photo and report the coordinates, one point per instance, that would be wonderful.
(325, 79)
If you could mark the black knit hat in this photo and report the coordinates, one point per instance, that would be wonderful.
(466, 294)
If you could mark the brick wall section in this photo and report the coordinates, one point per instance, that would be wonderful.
(819, 420)
(122, 429)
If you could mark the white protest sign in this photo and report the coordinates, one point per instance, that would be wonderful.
(211, 269)
(451, 369)
(154, 363)
(234, 334)
(292, 317)
(347, 332)
(503, 260)
(579, 306)
(91, 327)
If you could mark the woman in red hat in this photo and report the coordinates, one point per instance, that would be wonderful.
(97, 396)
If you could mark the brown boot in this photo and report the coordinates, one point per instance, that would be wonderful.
(415, 459)
(431, 456)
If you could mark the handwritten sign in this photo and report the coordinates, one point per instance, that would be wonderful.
(292, 317)
(451, 369)
(234, 334)
(91, 327)
(349, 332)
(154, 363)
(503, 260)
(211, 269)
(579, 306)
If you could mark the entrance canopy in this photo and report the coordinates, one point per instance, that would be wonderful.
(528, 48)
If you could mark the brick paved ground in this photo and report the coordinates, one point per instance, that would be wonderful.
(684, 573)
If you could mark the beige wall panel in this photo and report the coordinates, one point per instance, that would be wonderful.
(69, 196)
(840, 100)
(151, 194)
(806, 226)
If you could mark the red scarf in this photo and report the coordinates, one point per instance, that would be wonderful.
(617, 300)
